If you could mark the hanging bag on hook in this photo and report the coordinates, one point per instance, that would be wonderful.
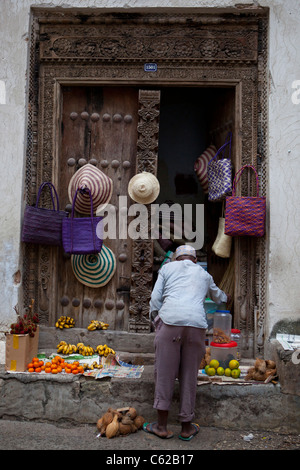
(43, 226)
(82, 235)
(245, 215)
(219, 173)
(223, 242)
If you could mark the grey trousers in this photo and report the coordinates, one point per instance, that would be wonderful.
(178, 353)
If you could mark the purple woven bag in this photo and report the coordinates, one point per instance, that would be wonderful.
(80, 235)
(43, 226)
(245, 215)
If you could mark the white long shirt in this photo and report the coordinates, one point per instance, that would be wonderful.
(180, 291)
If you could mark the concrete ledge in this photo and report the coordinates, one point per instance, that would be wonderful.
(83, 400)
(49, 337)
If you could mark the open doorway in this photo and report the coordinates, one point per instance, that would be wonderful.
(192, 119)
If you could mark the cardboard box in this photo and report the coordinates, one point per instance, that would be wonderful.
(20, 349)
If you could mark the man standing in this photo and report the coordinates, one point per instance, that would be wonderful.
(180, 326)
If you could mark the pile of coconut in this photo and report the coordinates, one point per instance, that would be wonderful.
(263, 370)
(119, 422)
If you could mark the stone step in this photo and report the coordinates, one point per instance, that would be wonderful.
(79, 399)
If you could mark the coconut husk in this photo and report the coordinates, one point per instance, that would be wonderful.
(270, 364)
(260, 365)
(124, 429)
(131, 413)
(127, 420)
(107, 418)
(99, 424)
(112, 428)
(139, 421)
(263, 371)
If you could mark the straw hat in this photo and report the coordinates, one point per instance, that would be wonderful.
(94, 270)
(143, 188)
(99, 184)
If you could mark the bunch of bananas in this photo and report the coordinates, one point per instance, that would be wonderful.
(65, 348)
(65, 322)
(104, 350)
(97, 325)
(95, 365)
(85, 350)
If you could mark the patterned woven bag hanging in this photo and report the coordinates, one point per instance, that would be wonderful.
(219, 173)
(245, 215)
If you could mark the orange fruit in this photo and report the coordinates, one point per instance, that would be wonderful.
(31, 369)
(211, 371)
(38, 369)
(48, 364)
(35, 359)
(75, 371)
(68, 370)
(47, 370)
(30, 365)
(80, 369)
(59, 369)
(54, 371)
(41, 363)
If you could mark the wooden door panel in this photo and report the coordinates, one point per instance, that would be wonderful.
(98, 126)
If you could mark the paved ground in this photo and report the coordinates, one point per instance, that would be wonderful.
(30, 435)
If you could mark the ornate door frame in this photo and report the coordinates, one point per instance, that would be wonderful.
(190, 49)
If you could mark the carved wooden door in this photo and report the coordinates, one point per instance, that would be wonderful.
(99, 127)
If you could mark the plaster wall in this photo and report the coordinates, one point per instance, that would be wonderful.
(283, 140)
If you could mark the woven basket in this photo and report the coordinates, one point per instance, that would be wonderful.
(245, 216)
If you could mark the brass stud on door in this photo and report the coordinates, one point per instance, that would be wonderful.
(73, 116)
(109, 304)
(71, 161)
(115, 163)
(120, 305)
(128, 118)
(126, 164)
(87, 303)
(95, 117)
(64, 301)
(82, 161)
(84, 115)
(117, 118)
